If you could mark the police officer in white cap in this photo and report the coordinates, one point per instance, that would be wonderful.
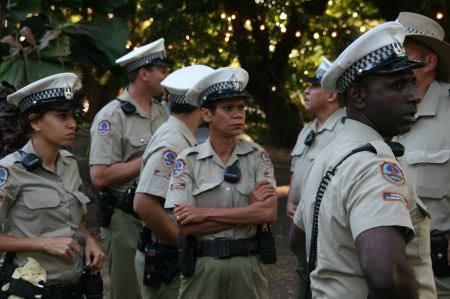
(158, 275)
(365, 227)
(119, 135)
(427, 145)
(41, 199)
(327, 108)
(220, 191)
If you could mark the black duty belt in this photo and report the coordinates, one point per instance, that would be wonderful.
(25, 289)
(224, 248)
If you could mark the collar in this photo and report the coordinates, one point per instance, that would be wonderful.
(428, 105)
(183, 129)
(60, 160)
(332, 120)
(125, 96)
(205, 150)
(360, 131)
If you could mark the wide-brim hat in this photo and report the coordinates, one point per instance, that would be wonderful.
(431, 34)
(320, 72)
(147, 55)
(378, 51)
(179, 82)
(223, 83)
(54, 92)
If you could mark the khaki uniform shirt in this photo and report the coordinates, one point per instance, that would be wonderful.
(40, 203)
(198, 178)
(117, 137)
(368, 190)
(427, 154)
(304, 155)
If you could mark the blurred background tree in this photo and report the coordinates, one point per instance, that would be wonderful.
(278, 42)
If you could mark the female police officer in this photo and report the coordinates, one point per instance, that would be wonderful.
(220, 191)
(41, 202)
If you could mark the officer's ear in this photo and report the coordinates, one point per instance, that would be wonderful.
(34, 120)
(206, 114)
(432, 60)
(356, 95)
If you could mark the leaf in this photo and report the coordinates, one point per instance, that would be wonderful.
(48, 36)
(108, 35)
(10, 40)
(12, 71)
(40, 69)
(19, 9)
(55, 51)
(26, 32)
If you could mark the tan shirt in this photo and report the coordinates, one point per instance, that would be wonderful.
(117, 137)
(427, 154)
(304, 155)
(40, 203)
(368, 190)
(159, 156)
(198, 178)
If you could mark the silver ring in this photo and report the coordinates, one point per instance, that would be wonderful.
(177, 217)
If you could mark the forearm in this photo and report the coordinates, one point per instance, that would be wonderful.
(103, 176)
(13, 244)
(150, 210)
(207, 227)
(255, 213)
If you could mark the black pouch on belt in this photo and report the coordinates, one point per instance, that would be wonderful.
(152, 269)
(439, 247)
(266, 244)
(186, 254)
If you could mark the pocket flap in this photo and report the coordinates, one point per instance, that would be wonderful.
(298, 149)
(41, 200)
(82, 198)
(429, 156)
(139, 140)
(204, 187)
(244, 188)
(422, 207)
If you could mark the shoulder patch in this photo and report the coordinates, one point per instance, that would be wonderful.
(168, 157)
(264, 157)
(392, 173)
(104, 127)
(178, 168)
(394, 196)
(4, 175)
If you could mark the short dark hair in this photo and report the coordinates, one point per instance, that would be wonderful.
(181, 108)
(132, 75)
(211, 106)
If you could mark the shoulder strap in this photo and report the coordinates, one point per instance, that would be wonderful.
(127, 107)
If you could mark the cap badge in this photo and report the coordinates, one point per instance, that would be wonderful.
(235, 83)
(68, 94)
(398, 48)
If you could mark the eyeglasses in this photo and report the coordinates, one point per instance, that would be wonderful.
(310, 138)
(232, 173)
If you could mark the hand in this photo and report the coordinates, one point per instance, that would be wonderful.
(64, 247)
(291, 207)
(261, 191)
(94, 257)
(188, 213)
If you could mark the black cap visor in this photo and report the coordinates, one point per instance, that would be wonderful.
(226, 94)
(313, 80)
(59, 103)
(395, 65)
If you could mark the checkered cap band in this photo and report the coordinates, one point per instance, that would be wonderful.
(177, 98)
(411, 30)
(320, 73)
(35, 98)
(221, 86)
(145, 60)
(369, 62)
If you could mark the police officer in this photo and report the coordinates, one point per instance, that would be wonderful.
(41, 199)
(427, 145)
(220, 191)
(170, 139)
(119, 134)
(366, 229)
(329, 116)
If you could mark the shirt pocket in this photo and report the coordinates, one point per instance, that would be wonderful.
(42, 200)
(78, 207)
(207, 195)
(243, 193)
(135, 144)
(430, 172)
(296, 154)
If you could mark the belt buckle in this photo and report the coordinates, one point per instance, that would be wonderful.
(223, 248)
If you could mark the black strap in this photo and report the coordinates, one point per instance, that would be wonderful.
(312, 258)
(22, 288)
(224, 248)
(8, 267)
(127, 107)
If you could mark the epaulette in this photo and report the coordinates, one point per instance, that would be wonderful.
(191, 150)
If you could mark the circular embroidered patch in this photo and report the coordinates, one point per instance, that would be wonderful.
(104, 127)
(4, 174)
(392, 173)
(178, 168)
(168, 158)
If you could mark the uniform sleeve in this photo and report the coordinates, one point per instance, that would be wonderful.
(9, 190)
(180, 185)
(264, 168)
(106, 139)
(378, 197)
(156, 173)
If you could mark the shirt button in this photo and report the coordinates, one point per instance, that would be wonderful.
(142, 140)
(227, 188)
(400, 136)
